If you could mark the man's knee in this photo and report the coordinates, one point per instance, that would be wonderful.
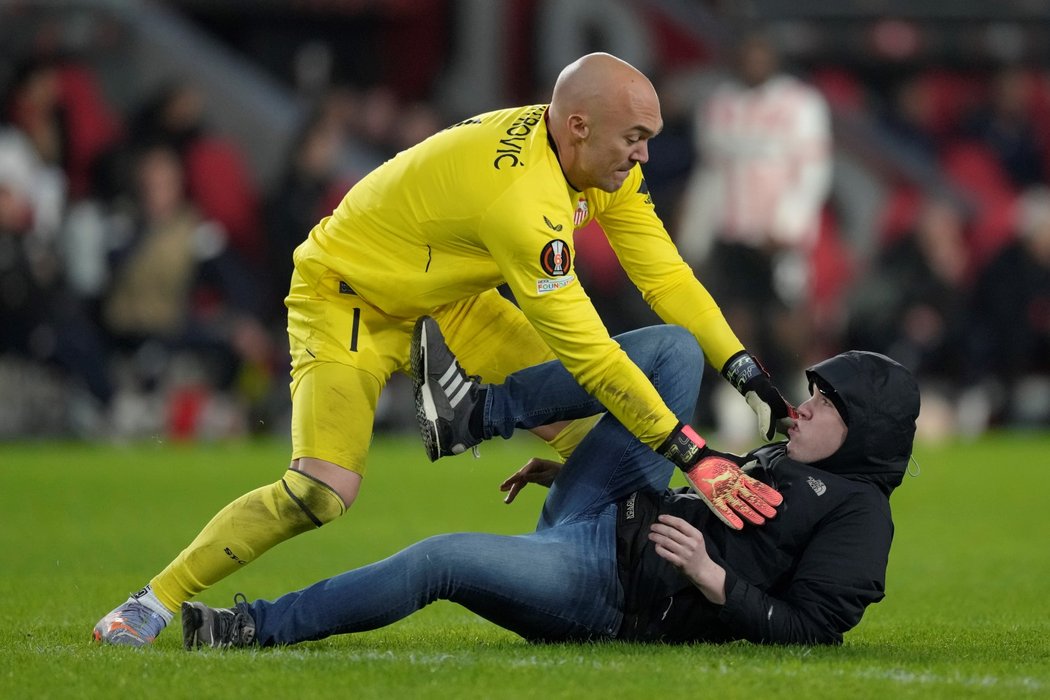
(657, 348)
(314, 500)
(681, 347)
(345, 483)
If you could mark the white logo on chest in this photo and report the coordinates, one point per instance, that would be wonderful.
(817, 485)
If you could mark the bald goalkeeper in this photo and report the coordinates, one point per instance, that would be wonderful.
(433, 232)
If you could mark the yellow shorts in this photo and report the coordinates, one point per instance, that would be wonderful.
(344, 350)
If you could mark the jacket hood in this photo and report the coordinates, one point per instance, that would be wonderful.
(879, 401)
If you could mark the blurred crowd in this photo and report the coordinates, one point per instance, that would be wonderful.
(143, 268)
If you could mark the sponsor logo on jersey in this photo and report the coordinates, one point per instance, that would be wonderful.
(551, 225)
(580, 215)
(555, 258)
(543, 286)
(817, 485)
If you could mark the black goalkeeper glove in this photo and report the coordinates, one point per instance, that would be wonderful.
(752, 380)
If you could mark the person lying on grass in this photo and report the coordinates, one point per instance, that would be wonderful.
(616, 554)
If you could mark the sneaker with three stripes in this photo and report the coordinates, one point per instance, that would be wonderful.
(446, 396)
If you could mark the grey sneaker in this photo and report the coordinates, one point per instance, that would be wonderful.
(129, 624)
(219, 628)
(445, 394)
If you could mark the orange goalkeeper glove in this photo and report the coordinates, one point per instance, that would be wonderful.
(717, 477)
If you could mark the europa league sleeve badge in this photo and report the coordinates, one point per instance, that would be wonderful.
(555, 258)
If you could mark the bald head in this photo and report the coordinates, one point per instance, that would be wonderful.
(600, 82)
(603, 112)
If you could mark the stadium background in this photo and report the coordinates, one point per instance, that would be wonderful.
(904, 80)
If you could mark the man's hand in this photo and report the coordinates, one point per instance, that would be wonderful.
(682, 545)
(752, 380)
(536, 471)
(718, 478)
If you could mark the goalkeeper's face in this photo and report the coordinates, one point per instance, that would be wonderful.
(617, 140)
(819, 431)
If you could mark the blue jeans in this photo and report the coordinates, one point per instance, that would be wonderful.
(557, 583)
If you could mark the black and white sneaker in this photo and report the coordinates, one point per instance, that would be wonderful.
(445, 394)
(219, 628)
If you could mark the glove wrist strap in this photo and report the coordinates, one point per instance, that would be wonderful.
(740, 369)
(683, 447)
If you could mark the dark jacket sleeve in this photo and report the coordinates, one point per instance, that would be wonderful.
(840, 573)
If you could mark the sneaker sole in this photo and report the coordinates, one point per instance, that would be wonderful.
(191, 622)
(426, 410)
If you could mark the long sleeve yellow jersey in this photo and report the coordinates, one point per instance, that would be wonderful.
(485, 202)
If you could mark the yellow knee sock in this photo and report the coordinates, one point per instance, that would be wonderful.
(245, 529)
(567, 440)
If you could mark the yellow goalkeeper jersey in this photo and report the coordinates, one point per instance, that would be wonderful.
(485, 202)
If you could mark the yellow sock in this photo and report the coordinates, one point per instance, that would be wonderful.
(567, 440)
(245, 529)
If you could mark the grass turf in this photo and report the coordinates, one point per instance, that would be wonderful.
(966, 613)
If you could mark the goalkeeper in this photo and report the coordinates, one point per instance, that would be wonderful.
(616, 555)
(433, 231)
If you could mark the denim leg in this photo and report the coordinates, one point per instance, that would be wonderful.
(547, 393)
(557, 585)
(610, 463)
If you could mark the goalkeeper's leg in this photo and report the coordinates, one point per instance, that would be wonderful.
(334, 395)
(236, 536)
(305, 498)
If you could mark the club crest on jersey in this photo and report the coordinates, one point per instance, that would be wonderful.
(580, 215)
(555, 258)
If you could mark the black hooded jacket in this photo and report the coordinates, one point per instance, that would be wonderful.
(807, 575)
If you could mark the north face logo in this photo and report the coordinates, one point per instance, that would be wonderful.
(817, 485)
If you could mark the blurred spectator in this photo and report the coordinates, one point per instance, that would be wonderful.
(908, 118)
(178, 288)
(750, 214)
(1011, 317)
(415, 123)
(39, 319)
(34, 107)
(912, 304)
(59, 106)
(39, 184)
(216, 174)
(927, 109)
(671, 154)
(311, 186)
(1005, 124)
(371, 131)
(29, 268)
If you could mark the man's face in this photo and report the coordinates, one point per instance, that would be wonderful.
(756, 61)
(615, 142)
(819, 431)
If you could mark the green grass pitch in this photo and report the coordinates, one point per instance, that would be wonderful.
(967, 612)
